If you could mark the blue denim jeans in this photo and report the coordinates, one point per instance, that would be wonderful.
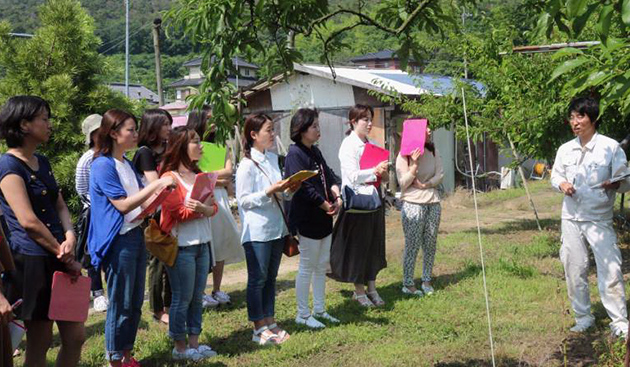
(125, 270)
(263, 261)
(188, 277)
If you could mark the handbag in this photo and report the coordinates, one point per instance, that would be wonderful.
(291, 242)
(360, 203)
(159, 244)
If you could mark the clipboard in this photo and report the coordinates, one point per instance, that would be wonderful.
(203, 186)
(414, 136)
(302, 176)
(372, 156)
(612, 180)
(154, 202)
(69, 301)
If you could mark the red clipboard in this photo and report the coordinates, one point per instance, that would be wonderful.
(372, 156)
(154, 202)
(203, 186)
(69, 301)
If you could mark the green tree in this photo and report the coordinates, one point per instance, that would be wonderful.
(266, 28)
(60, 64)
(602, 69)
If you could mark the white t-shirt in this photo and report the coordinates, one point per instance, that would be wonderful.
(192, 232)
(129, 182)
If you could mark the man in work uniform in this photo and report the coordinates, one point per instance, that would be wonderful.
(583, 170)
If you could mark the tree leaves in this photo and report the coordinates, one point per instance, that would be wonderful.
(567, 66)
(625, 12)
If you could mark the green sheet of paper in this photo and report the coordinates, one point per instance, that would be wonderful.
(213, 157)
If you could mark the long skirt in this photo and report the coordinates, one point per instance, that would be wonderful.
(357, 252)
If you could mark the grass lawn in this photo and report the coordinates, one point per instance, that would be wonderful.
(528, 301)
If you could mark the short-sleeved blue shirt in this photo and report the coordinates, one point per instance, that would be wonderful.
(43, 192)
(105, 221)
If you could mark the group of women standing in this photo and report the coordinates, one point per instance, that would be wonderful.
(271, 208)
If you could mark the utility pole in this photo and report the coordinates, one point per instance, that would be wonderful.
(127, 48)
(157, 23)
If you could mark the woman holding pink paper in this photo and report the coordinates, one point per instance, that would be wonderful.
(187, 220)
(357, 253)
(115, 238)
(41, 232)
(419, 176)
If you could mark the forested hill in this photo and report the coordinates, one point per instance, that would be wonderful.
(109, 17)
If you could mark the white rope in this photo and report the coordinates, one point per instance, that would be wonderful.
(483, 268)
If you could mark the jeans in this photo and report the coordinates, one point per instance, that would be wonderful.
(263, 261)
(188, 277)
(95, 276)
(125, 269)
(314, 258)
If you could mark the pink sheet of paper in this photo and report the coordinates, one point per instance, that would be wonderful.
(156, 200)
(69, 301)
(203, 186)
(372, 156)
(413, 136)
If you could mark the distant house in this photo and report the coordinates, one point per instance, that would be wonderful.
(191, 82)
(314, 86)
(136, 92)
(385, 59)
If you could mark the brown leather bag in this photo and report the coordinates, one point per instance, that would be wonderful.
(159, 244)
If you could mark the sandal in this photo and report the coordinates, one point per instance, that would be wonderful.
(376, 299)
(264, 336)
(362, 299)
(283, 336)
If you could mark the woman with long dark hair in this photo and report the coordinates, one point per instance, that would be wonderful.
(41, 232)
(357, 252)
(226, 242)
(419, 176)
(116, 241)
(155, 126)
(187, 220)
(259, 192)
(311, 214)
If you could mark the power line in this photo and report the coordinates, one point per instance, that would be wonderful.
(121, 41)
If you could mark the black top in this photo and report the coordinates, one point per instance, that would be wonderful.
(146, 159)
(303, 210)
(42, 191)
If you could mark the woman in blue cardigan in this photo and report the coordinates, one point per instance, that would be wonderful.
(311, 214)
(115, 239)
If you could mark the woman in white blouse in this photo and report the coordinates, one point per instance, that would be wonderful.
(419, 176)
(358, 247)
(259, 192)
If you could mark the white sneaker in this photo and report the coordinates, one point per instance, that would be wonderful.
(326, 316)
(100, 304)
(427, 289)
(581, 327)
(209, 301)
(222, 297)
(206, 351)
(310, 322)
(189, 354)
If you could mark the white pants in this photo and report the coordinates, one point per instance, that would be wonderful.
(574, 256)
(314, 258)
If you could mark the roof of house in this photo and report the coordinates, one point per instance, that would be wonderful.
(136, 91)
(243, 81)
(380, 55)
(241, 62)
(380, 80)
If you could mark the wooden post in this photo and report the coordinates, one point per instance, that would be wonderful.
(157, 23)
(520, 170)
